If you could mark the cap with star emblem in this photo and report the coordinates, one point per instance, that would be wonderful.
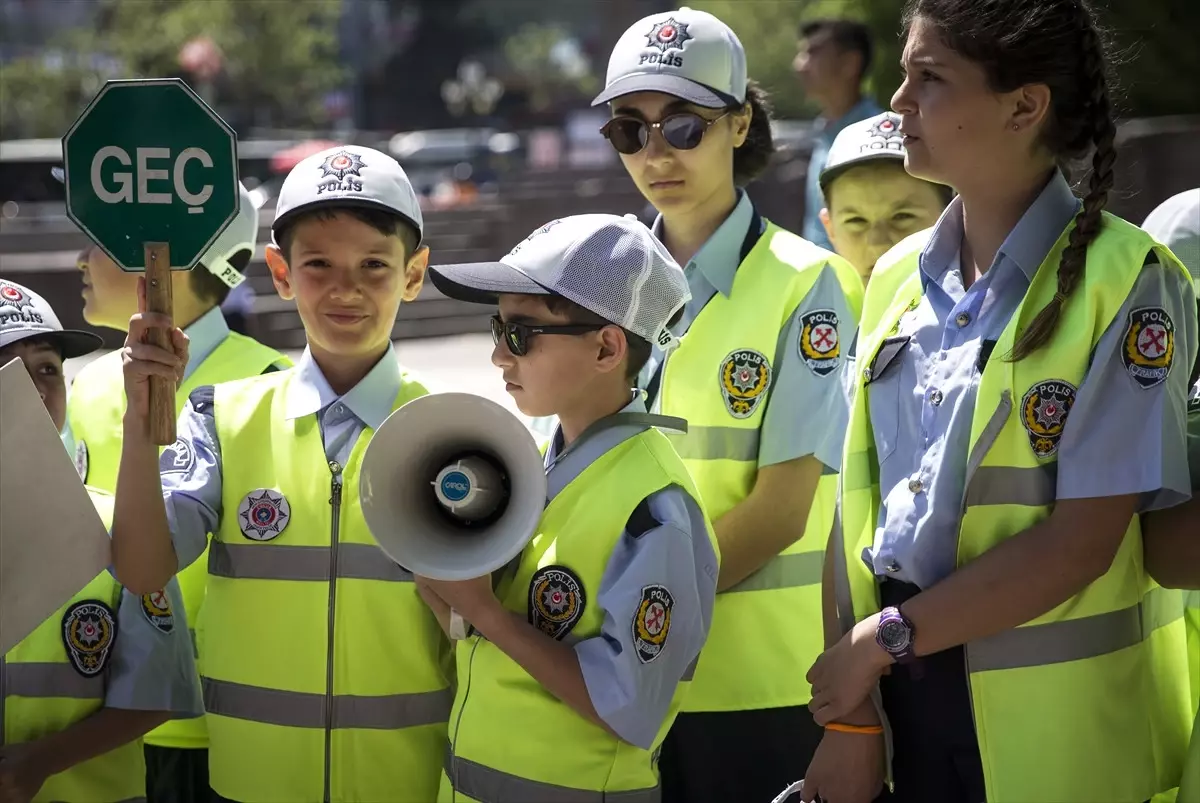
(25, 314)
(686, 53)
(875, 139)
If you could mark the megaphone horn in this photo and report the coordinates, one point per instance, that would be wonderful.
(452, 486)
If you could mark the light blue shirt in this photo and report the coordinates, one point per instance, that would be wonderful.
(814, 199)
(630, 694)
(192, 484)
(922, 404)
(154, 668)
(798, 396)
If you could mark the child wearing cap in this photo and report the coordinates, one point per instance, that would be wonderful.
(80, 691)
(586, 647)
(176, 757)
(871, 202)
(758, 376)
(325, 676)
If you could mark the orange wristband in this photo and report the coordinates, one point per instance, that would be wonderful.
(864, 729)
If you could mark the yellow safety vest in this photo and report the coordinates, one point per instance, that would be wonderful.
(325, 675)
(1088, 702)
(56, 676)
(766, 630)
(510, 738)
(95, 409)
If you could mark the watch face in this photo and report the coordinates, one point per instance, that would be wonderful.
(894, 636)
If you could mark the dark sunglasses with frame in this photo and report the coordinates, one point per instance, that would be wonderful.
(518, 335)
(682, 131)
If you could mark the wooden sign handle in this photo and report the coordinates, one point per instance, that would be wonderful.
(159, 299)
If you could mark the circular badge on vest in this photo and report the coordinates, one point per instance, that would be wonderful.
(156, 607)
(1149, 346)
(81, 460)
(1044, 414)
(652, 622)
(89, 629)
(556, 600)
(744, 378)
(820, 346)
(263, 514)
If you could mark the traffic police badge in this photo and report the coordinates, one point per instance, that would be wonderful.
(89, 629)
(1044, 414)
(263, 515)
(744, 378)
(652, 622)
(556, 600)
(178, 458)
(820, 346)
(156, 608)
(1149, 346)
(81, 460)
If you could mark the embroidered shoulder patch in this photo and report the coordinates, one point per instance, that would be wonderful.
(81, 459)
(1148, 349)
(744, 378)
(820, 346)
(156, 607)
(556, 600)
(178, 458)
(89, 629)
(1044, 412)
(263, 515)
(652, 622)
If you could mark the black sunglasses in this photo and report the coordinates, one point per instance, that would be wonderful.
(682, 131)
(517, 335)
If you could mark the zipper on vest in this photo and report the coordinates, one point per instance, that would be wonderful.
(335, 502)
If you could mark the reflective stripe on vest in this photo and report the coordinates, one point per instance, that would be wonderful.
(577, 534)
(315, 647)
(1100, 676)
(50, 679)
(739, 669)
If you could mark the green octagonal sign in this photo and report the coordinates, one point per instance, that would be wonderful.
(149, 161)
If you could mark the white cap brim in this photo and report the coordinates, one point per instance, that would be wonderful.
(833, 171)
(677, 85)
(71, 342)
(483, 282)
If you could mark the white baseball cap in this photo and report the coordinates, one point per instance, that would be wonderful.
(608, 264)
(348, 175)
(1176, 224)
(686, 53)
(25, 314)
(875, 139)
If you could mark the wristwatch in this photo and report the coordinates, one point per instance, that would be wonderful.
(895, 635)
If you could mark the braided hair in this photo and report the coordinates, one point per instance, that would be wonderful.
(1057, 43)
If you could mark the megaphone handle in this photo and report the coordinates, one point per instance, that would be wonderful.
(458, 626)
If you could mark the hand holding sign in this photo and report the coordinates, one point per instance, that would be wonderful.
(145, 361)
(151, 177)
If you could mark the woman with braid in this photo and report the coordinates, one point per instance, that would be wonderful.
(1022, 381)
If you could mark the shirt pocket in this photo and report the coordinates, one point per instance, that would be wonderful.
(883, 394)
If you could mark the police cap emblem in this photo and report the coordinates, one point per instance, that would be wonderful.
(652, 622)
(1149, 346)
(89, 629)
(12, 297)
(263, 515)
(342, 164)
(820, 345)
(556, 600)
(1044, 412)
(744, 378)
(668, 35)
(156, 607)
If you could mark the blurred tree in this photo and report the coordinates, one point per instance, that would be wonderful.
(550, 63)
(277, 61)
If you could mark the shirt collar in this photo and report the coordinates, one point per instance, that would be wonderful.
(371, 400)
(719, 257)
(1026, 245)
(605, 438)
(204, 335)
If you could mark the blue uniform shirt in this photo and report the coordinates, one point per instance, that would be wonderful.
(921, 411)
(632, 696)
(193, 493)
(824, 135)
(153, 665)
(797, 396)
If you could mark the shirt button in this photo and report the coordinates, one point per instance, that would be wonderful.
(935, 398)
(339, 409)
(962, 319)
(916, 486)
(892, 566)
(867, 374)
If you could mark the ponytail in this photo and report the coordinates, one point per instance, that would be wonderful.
(752, 158)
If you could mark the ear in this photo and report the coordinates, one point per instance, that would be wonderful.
(414, 273)
(741, 124)
(827, 222)
(1030, 107)
(613, 348)
(280, 274)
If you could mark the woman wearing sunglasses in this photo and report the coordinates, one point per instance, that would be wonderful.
(758, 377)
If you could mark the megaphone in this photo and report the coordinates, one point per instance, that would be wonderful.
(452, 486)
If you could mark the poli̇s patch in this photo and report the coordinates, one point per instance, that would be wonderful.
(178, 458)
(556, 600)
(156, 607)
(1148, 349)
(263, 514)
(89, 630)
(1044, 410)
(81, 460)
(744, 378)
(652, 622)
(820, 345)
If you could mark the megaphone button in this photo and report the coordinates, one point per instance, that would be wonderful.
(263, 514)
(556, 600)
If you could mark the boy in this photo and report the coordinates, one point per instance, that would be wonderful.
(79, 692)
(586, 647)
(324, 675)
(176, 753)
(871, 203)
